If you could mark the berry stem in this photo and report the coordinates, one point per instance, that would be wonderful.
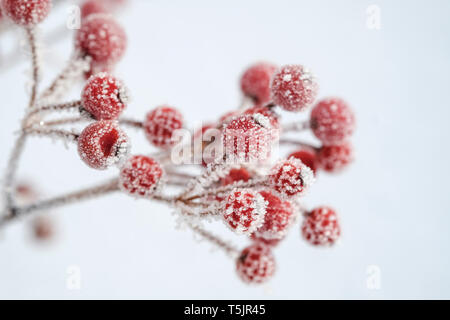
(73, 197)
(298, 143)
(297, 126)
(131, 123)
(229, 249)
(54, 133)
(55, 107)
(31, 34)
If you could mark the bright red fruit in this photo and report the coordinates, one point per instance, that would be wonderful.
(332, 121)
(321, 227)
(307, 156)
(160, 124)
(294, 88)
(140, 176)
(335, 158)
(102, 144)
(26, 12)
(256, 264)
(244, 210)
(101, 38)
(255, 82)
(240, 174)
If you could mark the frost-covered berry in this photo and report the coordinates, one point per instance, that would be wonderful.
(160, 124)
(279, 217)
(104, 97)
(255, 82)
(140, 176)
(307, 156)
(101, 38)
(321, 227)
(244, 210)
(26, 12)
(272, 116)
(248, 138)
(92, 7)
(294, 88)
(290, 177)
(332, 121)
(255, 264)
(43, 228)
(335, 158)
(269, 242)
(102, 144)
(238, 174)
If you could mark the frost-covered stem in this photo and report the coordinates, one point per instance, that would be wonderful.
(73, 197)
(63, 121)
(55, 107)
(54, 133)
(222, 244)
(296, 126)
(11, 170)
(74, 69)
(31, 34)
(298, 143)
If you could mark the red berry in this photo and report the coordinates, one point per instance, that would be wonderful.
(272, 116)
(248, 138)
(308, 157)
(244, 210)
(140, 176)
(92, 7)
(335, 158)
(102, 144)
(160, 125)
(268, 242)
(104, 97)
(279, 216)
(290, 177)
(255, 82)
(332, 121)
(294, 88)
(26, 12)
(321, 227)
(256, 264)
(235, 175)
(102, 38)
(43, 228)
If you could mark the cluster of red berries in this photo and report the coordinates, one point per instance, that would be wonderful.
(26, 12)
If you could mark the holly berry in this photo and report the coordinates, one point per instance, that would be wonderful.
(26, 12)
(256, 263)
(104, 97)
(248, 138)
(140, 176)
(244, 210)
(290, 177)
(294, 88)
(308, 157)
(335, 158)
(321, 227)
(279, 216)
(255, 82)
(240, 174)
(332, 121)
(101, 38)
(160, 124)
(102, 144)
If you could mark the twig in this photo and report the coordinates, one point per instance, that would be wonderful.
(31, 34)
(54, 133)
(296, 126)
(298, 143)
(229, 249)
(55, 107)
(62, 200)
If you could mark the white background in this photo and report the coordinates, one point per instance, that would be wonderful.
(393, 201)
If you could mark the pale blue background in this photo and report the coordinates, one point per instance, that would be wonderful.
(393, 201)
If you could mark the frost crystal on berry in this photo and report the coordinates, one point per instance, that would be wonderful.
(104, 97)
(244, 210)
(294, 88)
(335, 158)
(26, 12)
(160, 124)
(248, 138)
(307, 156)
(279, 216)
(332, 121)
(102, 38)
(102, 144)
(238, 174)
(290, 177)
(321, 227)
(140, 176)
(255, 82)
(256, 264)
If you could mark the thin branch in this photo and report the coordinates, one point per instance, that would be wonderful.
(131, 123)
(73, 197)
(296, 126)
(56, 107)
(63, 121)
(31, 34)
(222, 244)
(54, 133)
(298, 143)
